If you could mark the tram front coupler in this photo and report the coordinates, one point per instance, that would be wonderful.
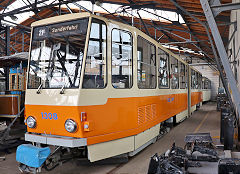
(31, 158)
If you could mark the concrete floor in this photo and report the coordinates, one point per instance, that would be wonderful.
(206, 119)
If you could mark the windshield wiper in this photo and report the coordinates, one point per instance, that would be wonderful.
(39, 88)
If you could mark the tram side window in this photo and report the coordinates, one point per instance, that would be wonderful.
(121, 59)
(174, 73)
(163, 70)
(193, 79)
(207, 84)
(146, 64)
(95, 66)
(199, 81)
(203, 83)
(183, 73)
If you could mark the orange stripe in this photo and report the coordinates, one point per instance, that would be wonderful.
(118, 118)
(196, 97)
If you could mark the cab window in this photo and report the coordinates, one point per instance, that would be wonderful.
(95, 65)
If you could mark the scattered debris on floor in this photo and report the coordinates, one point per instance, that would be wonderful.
(198, 152)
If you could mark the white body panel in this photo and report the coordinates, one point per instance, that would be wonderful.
(206, 94)
(120, 146)
(181, 116)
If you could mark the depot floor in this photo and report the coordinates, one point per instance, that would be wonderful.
(206, 119)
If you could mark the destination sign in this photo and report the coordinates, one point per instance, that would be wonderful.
(61, 29)
(64, 28)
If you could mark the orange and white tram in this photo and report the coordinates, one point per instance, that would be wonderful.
(206, 89)
(103, 86)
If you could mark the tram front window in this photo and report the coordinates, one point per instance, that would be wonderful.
(56, 55)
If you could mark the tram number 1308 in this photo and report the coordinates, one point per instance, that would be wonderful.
(49, 116)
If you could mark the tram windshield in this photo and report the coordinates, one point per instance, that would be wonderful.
(57, 54)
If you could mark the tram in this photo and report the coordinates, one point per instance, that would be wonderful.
(101, 87)
(206, 89)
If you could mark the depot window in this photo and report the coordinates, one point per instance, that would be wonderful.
(121, 59)
(146, 57)
(95, 66)
(163, 70)
(183, 81)
(174, 73)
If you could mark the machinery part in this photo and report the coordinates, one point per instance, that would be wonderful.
(229, 165)
(26, 169)
(62, 155)
(198, 137)
(201, 142)
(160, 165)
(225, 112)
(154, 164)
(5, 134)
(205, 150)
(228, 132)
(204, 158)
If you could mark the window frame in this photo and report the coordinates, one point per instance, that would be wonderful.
(200, 80)
(130, 33)
(185, 76)
(30, 53)
(106, 59)
(168, 64)
(193, 86)
(172, 74)
(156, 74)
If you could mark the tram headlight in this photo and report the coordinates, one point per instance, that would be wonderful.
(31, 122)
(70, 125)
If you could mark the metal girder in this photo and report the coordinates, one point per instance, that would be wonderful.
(222, 53)
(232, 36)
(118, 16)
(19, 25)
(143, 23)
(28, 8)
(180, 12)
(219, 66)
(217, 7)
(7, 38)
(185, 42)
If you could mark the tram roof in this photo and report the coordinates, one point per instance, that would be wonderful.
(179, 36)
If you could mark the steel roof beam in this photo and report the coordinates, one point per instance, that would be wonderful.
(219, 66)
(217, 7)
(25, 8)
(188, 25)
(186, 42)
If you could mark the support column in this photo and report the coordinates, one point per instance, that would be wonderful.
(222, 53)
(7, 52)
